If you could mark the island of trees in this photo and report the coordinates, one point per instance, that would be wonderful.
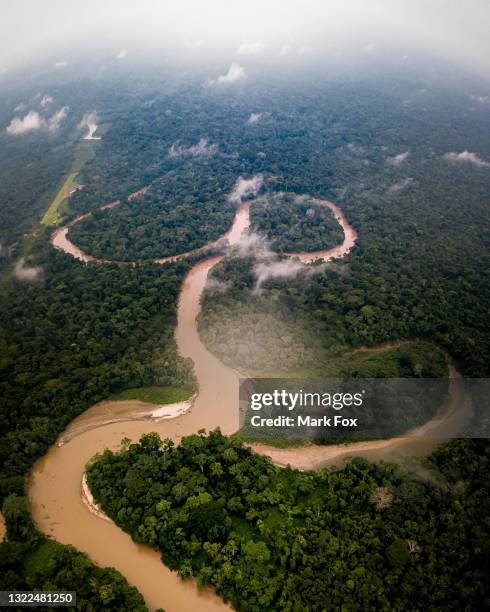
(371, 536)
(293, 223)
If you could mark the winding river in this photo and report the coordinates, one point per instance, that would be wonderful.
(56, 479)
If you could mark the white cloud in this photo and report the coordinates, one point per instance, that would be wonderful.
(27, 273)
(217, 285)
(20, 125)
(285, 268)
(480, 99)
(251, 243)
(61, 64)
(34, 121)
(45, 101)
(397, 160)
(235, 73)
(245, 188)
(201, 149)
(21, 106)
(251, 48)
(88, 119)
(400, 186)
(254, 118)
(122, 54)
(467, 157)
(55, 120)
(273, 267)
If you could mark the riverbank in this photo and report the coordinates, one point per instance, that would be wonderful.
(449, 419)
(119, 411)
(54, 485)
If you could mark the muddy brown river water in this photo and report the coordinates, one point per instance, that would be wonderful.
(56, 479)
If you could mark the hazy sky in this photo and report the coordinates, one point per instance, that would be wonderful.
(455, 29)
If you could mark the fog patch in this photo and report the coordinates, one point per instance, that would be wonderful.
(480, 99)
(288, 49)
(251, 243)
(400, 186)
(45, 101)
(61, 64)
(254, 118)
(235, 73)
(285, 269)
(194, 43)
(34, 121)
(88, 119)
(217, 285)
(20, 125)
(355, 149)
(201, 149)
(398, 160)
(244, 188)
(251, 48)
(26, 273)
(122, 54)
(54, 122)
(90, 122)
(269, 264)
(467, 157)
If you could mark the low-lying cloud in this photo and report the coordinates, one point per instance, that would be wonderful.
(270, 266)
(45, 101)
(252, 243)
(400, 186)
(122, 54)
(235, 73)
(35, 121)
(398, 160)
(54, 122)
(88, 120)
(251, 48)
(61, 64)
(254, 118)
(480, 99)
(245, 188)
(467, 157)
(285, 268)
(273, 267)
(20, 125)
(201, 149)
(217, 285)
(26, 273)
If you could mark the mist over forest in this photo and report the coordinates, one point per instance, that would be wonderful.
(195, 191)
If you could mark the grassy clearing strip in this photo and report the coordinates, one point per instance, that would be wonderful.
(84, 152)
(51, 215)
(154, 395)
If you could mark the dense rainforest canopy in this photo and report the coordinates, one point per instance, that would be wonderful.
(75, 336)
(30, 561)
(295, 223)
(370, 536)
(72, 334)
